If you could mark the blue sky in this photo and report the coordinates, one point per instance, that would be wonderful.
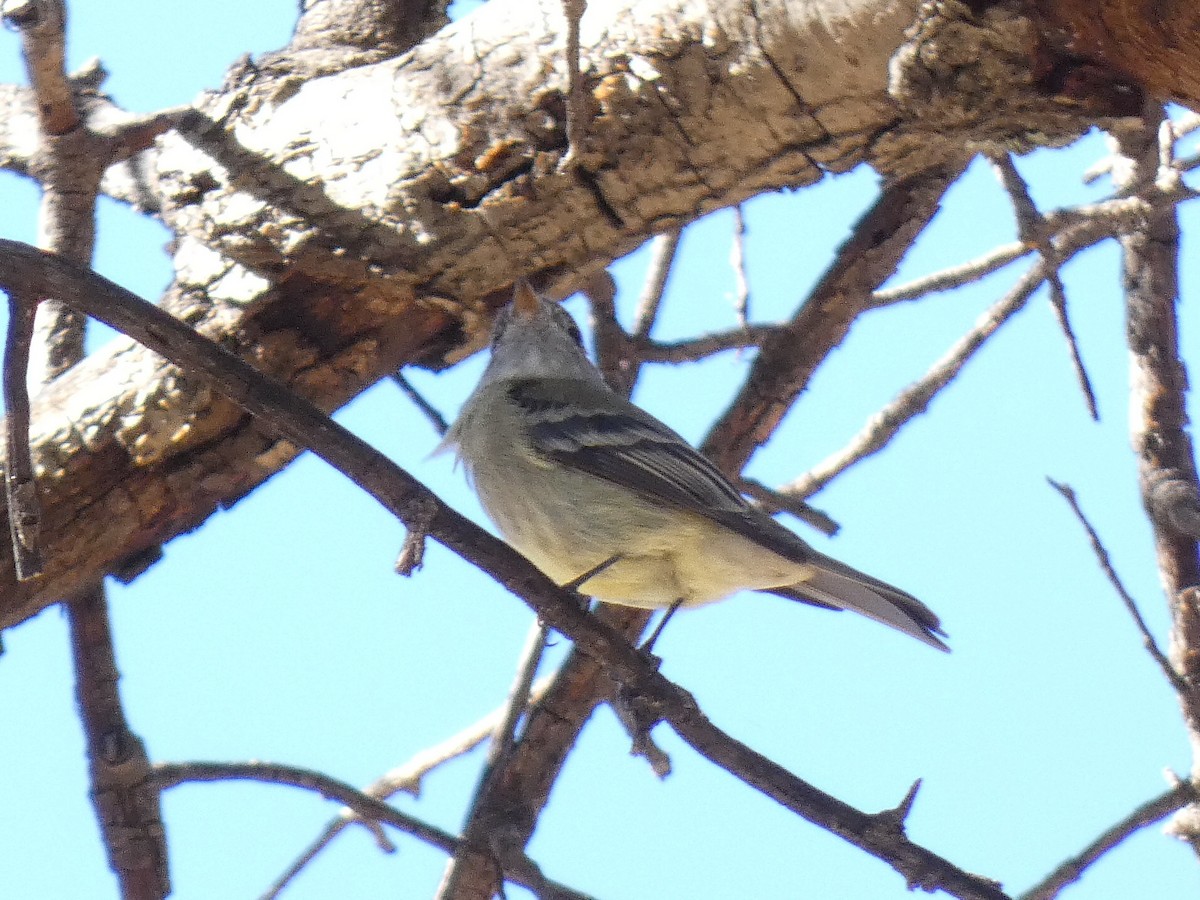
(278, 630)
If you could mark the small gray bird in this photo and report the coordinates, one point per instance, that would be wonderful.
(579, 480)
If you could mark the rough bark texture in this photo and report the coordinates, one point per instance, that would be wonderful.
(335, 228)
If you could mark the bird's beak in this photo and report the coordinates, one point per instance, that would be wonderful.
(524, 300)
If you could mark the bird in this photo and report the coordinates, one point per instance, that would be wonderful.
(602, 496)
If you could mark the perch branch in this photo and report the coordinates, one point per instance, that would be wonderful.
(298, 421)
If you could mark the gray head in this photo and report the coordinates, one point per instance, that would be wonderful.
(535, 338)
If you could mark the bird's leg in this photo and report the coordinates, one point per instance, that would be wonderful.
(576, 583)
(648, 646)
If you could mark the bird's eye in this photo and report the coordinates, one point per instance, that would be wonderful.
(576, 336)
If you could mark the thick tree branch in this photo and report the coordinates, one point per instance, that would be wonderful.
(1158, 422)
(336, 241)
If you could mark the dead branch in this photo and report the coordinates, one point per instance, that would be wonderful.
(788, 359)
(915, 399)
(1106, 565)
(1148, 813)
(1158, 415)
(1034, 232)
(954, 276)
(522, 872)
(24, 510)
(123, 789)
(25, 268)
(406, 778)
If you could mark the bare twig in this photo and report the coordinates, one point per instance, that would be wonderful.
(915, 399)
(790, 356)
(662, 257)
(737, 259)
(406, 778)
(775, 501)
(427, 409)
(1034, 232)
(24, 511)
(697, 348)
(69, 161)
(1148, 813)
(522, 872)
(576, 90)
(296, 420)
(1106, 565)
(954, 276)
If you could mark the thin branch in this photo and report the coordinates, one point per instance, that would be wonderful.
(1148, 813)
(1033, 230)
(788, 359)
(427, 409)
(1102, 557)
(24, 511)
(663, 250)
(28, 270)
(737, 260)
(952, 277)
(169, 775)
(776, 501)
(915, 399)
(662, 257)
(697, 348)
(406, 778)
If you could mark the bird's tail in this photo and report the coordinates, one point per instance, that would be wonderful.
(835, 585)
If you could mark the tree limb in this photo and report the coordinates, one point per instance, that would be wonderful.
(304, 426)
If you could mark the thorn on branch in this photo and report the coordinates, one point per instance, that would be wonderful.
(898, 814)
(24, 511)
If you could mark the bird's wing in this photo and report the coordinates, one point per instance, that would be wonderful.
(588, 428)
